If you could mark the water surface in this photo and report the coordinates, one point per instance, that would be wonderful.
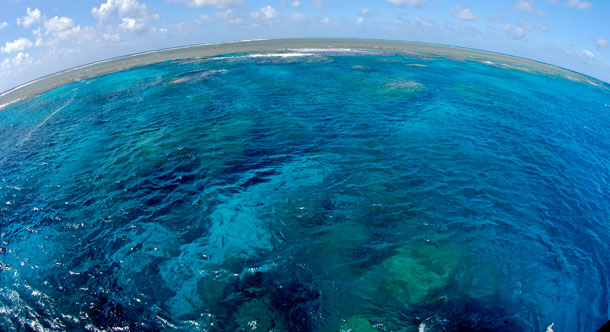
(323, 191)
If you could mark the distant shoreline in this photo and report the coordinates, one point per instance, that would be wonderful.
(283, 45)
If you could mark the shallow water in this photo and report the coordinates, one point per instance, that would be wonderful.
(325, 192)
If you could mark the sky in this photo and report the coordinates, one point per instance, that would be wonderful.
(41, 37)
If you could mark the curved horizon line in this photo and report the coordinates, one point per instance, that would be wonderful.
(173, 53)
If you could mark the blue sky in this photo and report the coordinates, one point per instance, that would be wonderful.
(40, 37)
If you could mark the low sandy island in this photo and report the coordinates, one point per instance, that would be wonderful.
(279, 46)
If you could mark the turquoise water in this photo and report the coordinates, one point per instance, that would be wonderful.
(312, 193)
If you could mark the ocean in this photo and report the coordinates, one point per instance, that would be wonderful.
(308, 187)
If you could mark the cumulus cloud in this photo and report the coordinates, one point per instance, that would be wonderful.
(601, 43)
(15, 64)
(214, 3)
(265, 13)
(63, 28)
(583, 5)
(32, 17)
(3, 25)
(410, 3)
(132, 16)
(16, 46)
(132, 24)
(524, 5)
(125, 8)
(295, 3)
(58, 25)
(464, 14)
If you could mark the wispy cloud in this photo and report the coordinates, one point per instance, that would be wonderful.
(229, 16)
(365, 12)
(582, 5)
(214, 3)
(601, 43)
(410, 3)
(319, 4)
(3, 25)
(524, 5)
(424, 22)
(298, 17)
(520, 29)
(588, 54)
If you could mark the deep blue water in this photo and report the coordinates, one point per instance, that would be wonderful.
(315, 193)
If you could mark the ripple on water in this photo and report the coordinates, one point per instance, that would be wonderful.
(306, 191)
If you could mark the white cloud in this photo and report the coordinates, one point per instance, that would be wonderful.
(17, 46)
(295, 3)
(226, 15)
(410, 3)
(424, 22)
(214, 3)
(588, 54)
(319, 4)
(265, 13)
(3, 25)
(365, 12)
(110, 37)
(230, 17)
(529, 27)
(326, 21)
(16, 64)
(515, 32)
(464, 14)
(524, 5)
(58, 25)
(601, 43)
(58, 29)
(203, 19)
(33, 17)
(132, 24)
(38, 34)
(583, 5)
(360, 20)
(61, 27)
(21, 58)
(497, 19)
(125, 8)
(298, 17)
(464, 29)
(520, 29)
